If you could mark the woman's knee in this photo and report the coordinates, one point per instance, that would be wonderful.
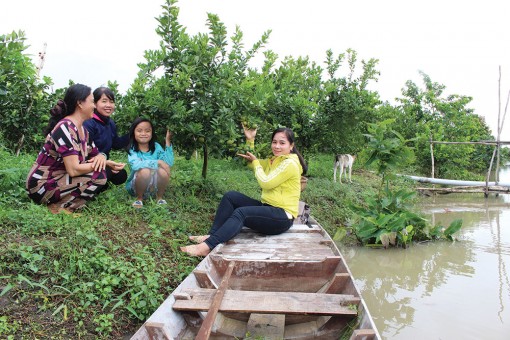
(231, 195)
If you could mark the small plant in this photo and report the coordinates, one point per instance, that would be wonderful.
(104, 323)
(387, 219)
(8, 328)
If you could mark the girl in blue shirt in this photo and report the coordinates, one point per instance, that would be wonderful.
(149, 163)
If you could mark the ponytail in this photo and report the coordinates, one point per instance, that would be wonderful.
(58, 112)
(301, 160)
(75, 94)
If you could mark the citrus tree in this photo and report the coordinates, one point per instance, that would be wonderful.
(203, 88)
(24, 100)
(347, 105)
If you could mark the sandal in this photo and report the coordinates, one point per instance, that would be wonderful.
(137, 204)
(161, 202)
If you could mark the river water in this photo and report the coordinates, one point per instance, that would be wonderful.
(443, 290)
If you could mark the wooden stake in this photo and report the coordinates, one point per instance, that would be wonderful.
(205, 329)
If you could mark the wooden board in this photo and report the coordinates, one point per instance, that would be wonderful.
(271, 302)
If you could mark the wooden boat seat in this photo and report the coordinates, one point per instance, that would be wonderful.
(240, 301)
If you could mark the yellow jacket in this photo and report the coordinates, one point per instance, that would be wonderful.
(280, 180)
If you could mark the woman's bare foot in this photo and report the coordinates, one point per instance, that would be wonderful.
(201, 249)
(55, 208)
(199, 238)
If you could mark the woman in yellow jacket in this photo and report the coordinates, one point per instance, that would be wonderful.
(280, 180)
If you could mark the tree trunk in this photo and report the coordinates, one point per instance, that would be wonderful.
(204, 165)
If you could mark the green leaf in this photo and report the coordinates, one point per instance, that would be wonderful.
(453, 228)
(340, 234)
(6, 289)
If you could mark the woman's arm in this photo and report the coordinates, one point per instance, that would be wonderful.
(118, 142)
(75, 168)
(288, 168)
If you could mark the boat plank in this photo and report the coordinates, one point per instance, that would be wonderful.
(363, 334)
(203, 279)
(271, 302)
(290, 251)
(156, 330)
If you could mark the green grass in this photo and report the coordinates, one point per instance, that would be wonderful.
(101, 274)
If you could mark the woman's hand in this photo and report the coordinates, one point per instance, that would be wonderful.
(116, 167)
(248, 156)
(168, 138)
(98, 162)
(249, 133)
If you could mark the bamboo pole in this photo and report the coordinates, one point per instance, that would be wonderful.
(479, 142)
(498, 147)
(489, 174)
(432, 156)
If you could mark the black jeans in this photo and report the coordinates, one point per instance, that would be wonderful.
(114, 178)
(237, 210)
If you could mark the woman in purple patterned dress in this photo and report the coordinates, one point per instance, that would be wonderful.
(69, 171)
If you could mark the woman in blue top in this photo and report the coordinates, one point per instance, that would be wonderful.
(103, 132)
(149, 163)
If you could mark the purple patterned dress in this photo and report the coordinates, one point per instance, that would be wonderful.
(48, 180)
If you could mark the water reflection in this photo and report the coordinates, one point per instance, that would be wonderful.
(443, 290)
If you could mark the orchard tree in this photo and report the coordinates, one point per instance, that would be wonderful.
(196, 87)
(294, 102)
(24, 100)
(348, 106)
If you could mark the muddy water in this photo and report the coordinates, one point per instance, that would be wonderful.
(443, 290)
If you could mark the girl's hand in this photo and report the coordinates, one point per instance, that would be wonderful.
(168, 138)
(249, 156)
(249, 133)
(98, 162)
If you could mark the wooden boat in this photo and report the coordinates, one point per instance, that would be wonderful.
(290, 286)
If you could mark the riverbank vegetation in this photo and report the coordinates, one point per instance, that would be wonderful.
(101, 273)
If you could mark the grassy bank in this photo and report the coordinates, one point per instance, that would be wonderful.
(102, 273)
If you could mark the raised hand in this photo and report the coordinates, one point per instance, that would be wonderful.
(168, 138)
(249, 133)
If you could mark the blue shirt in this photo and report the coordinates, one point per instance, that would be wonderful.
(139, 160)
(103, 132)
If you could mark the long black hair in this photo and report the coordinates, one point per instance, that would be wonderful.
(290, 137)
(74, 95)
(133, 144)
